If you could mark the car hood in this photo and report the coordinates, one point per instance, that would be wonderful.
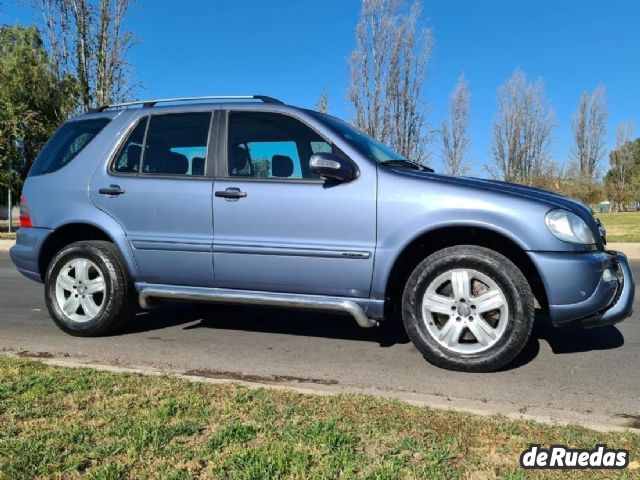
(554, 200)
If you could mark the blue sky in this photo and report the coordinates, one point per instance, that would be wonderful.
(292, 49)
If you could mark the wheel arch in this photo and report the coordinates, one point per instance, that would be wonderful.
(436, 239)
(68, 233)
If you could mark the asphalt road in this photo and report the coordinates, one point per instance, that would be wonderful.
(590, 376)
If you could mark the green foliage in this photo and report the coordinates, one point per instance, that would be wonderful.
(32, 101)
(622, 182)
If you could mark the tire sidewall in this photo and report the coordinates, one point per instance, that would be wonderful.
(109, 272)
(519, 320)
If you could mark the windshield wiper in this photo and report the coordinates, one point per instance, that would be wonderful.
(407, 163)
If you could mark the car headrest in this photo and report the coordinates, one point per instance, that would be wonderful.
(134, 152)
(197, 166)
(281, 166)
(176, 164)
(239, 160)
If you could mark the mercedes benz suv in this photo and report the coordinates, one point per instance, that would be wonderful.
(251, 201)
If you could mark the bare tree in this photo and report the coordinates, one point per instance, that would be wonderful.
(453, 131)
(88, 42)
(322, 105)
(522, 131)
(387, 70)
(589, 126)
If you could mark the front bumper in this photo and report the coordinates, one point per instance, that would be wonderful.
(593, 288)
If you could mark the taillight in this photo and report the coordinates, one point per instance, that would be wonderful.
(25, 218)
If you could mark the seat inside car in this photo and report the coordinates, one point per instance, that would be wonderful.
(281, 166)
(240, 162)
(197, 166)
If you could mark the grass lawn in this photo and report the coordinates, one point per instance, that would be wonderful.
(72, 423)
(621, 227)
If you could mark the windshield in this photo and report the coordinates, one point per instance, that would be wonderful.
(366, 145)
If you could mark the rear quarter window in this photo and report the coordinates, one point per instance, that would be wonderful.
(66, 144)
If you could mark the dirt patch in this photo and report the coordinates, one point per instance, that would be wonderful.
(258, 378)
(26, 354)
(633, 421)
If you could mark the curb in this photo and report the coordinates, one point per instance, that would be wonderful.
(5, 245)
(631, 250)
(536, 413)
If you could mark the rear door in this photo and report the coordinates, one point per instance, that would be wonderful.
(277, 226)
(158, 188)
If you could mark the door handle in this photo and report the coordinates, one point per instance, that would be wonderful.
(231, 193)
(111, 190)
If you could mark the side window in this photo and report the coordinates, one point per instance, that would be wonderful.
(176, 144)
(128, 158)
(66, 144)
(272, 146)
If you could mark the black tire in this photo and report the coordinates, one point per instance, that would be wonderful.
(119, 298)
(504, 273)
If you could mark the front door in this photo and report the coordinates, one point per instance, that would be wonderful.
(279, 228)
(156, 187)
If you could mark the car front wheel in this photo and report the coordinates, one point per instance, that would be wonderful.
(87, 289)
(468, 308)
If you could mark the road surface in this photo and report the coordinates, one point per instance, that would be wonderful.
(571, 374)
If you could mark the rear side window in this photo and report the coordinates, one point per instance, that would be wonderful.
(170, 144)
(66, 144)
(176, 144)
(130, 154)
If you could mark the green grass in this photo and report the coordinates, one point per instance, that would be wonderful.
(80, 423)
(621, 227)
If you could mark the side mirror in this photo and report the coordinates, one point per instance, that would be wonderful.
(331, 167)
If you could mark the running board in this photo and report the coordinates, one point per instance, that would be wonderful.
(247, 297)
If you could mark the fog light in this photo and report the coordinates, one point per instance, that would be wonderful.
(607, 276)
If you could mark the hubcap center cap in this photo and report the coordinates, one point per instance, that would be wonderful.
(464, 310)
(81, 290)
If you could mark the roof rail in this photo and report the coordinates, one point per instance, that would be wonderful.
(151, 103)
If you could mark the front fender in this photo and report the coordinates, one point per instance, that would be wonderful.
(411, 207)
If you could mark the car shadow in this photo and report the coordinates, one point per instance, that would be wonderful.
(571, 338)
(265, 320)
(563, 340)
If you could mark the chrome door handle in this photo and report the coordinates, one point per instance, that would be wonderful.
(231, 193)
(111, 190)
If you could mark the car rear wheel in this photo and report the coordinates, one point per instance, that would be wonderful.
(87, 289)
(468, 308)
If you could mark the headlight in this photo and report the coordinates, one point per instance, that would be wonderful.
(569, 227)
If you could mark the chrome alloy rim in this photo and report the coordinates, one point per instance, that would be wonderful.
(465, 311)
(80, 290)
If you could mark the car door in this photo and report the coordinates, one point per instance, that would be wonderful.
(157, 188)
(279, 228)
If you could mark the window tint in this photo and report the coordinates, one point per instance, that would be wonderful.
(128, 158)
(66, 143)
(270, 145)
(176, 144)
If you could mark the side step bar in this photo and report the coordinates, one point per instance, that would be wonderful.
(247, 297)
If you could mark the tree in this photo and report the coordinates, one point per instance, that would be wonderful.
(453, 131)
(387, 69)
(589, 126)
(522, 132)
(87, 41)
(623, 179)
(33, 101)
(322, 105)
